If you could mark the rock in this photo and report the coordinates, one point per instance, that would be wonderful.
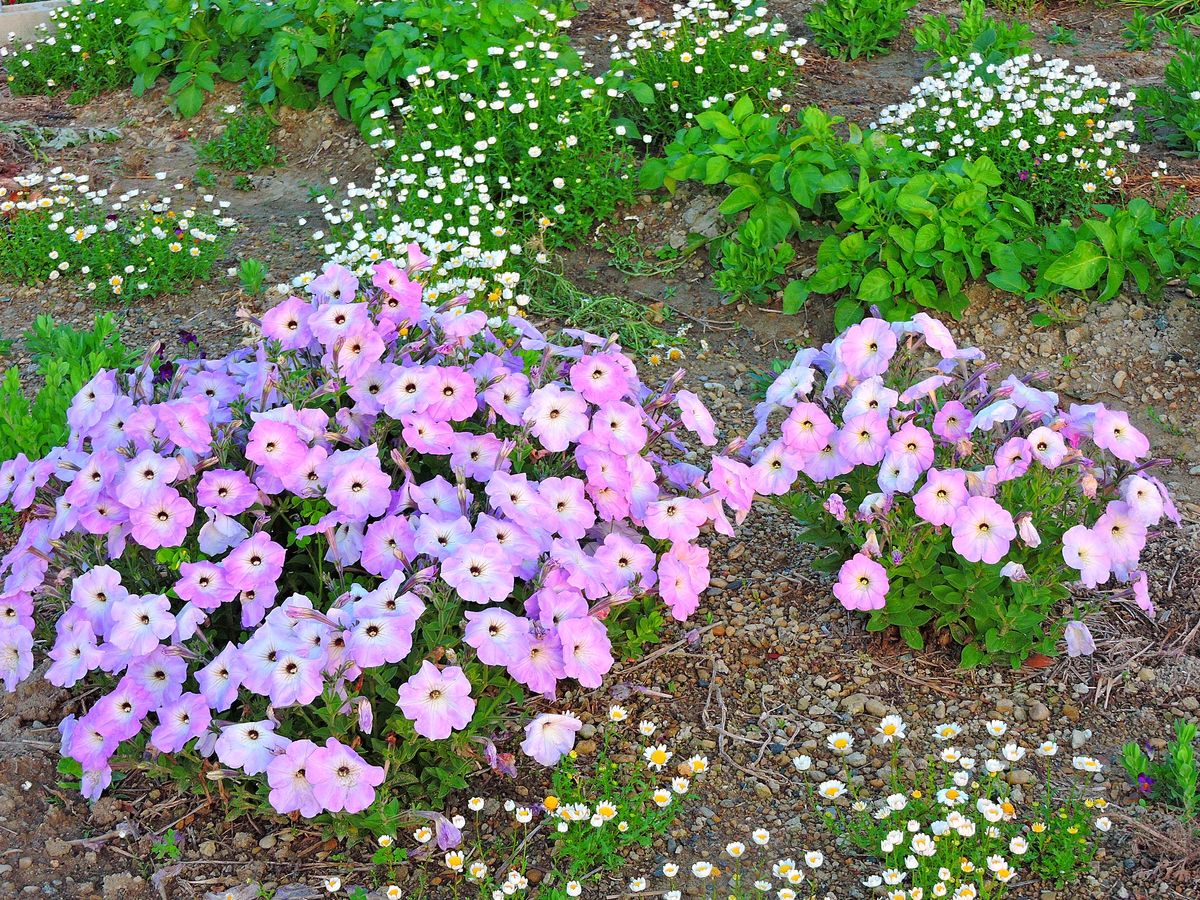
(1119, 379)
(1020, 776)
(57, 847)
(1038, 711)
(585, 748)
(875, 707)
(1079, 737)
(208, 849)
(267, 842)
(243, 840)
(855, 704)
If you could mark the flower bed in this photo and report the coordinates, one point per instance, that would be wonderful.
(325, 565)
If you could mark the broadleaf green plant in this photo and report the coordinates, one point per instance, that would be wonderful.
(849, 29)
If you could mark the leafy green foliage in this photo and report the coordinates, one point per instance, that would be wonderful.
(908, 233)
(849, 29)
(912, 241)
(1171, 780)
(991, 617)
(65, 360)
(780, 180)
(100, 63)
(1062, 37)
(670, 74)
(550, 142)
(973, 32)
(252, 273)
(297, 52)
(1140, 32)
(122, 253)
(243, 145)
(1177, 101)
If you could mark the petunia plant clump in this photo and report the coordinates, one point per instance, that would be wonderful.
(322, 568)
(954, 503)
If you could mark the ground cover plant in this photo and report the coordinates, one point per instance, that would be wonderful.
(83, 51)
(958, 828)
(1177, 101)
(920, 208)
(850, 29)
(953, 503)
(708, 55)
(244, 144)
(367, 523)
(59, 225)
(1171, 779)
(1057, 132)
(974, 31)
(65, 359)
(593, 813)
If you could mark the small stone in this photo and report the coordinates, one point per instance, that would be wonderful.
(762, 791)
(585, 748)
(1079, 737)
(243, 840)
(875, 707)
(855, 704)
(57, 847)
(1145, 674)
(208, 849)
(267, 842)
(1038, 711)
(1020, 776)
(1119, 379)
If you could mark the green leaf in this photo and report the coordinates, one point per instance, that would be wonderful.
(846, 312)
(829, 279)
(740, 198)
(1080, 269)
(712, 119)
(328, 81)
(742, 109)
(642, 92)
(971, 657)
(1010, 280)
(189, 100)
(715, 169)
(794, 296)
(984, 171)
(876, 286)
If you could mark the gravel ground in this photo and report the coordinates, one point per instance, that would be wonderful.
(778, 664)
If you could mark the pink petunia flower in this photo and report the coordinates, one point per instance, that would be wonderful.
(867, 348)
(549, 737)
(342, 781)
(862, 583)
(162, 520)
(1087, 552)
(556, 417)
(863, 439)
(983, 530)
(807, 428)
(287, 774)
(479, 571)
(587, 651)
(1111, 431)
(438, 701)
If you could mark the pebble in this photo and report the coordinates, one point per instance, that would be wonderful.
(1038, 711)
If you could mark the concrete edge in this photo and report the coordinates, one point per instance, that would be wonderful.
(19, 21)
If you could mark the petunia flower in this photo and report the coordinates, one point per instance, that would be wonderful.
(437, 701)
(550, 736)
